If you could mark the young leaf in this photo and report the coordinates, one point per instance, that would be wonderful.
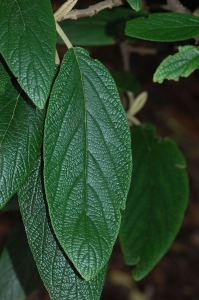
(87, 161)
(156, 201)
(57, 272)
(20, 140)
(164, 27)
(182, 63)
(101, 29)
(19, 275)
(27, 42)
(135, 4)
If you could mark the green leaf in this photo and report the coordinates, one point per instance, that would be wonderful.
(101, 29)
(125, 81)
(182, 63)
(19, 275)
(156, 201)
(57, 272)
(87, 161)
(27, 42)
(4, 77)
(164, 27)
(135, 4)
(21, 127)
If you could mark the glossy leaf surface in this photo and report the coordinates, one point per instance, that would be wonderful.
(164, 27)
(59, 277)
(87, 161)
(156, 201)
(27, 42)
(101, 29)
(19, 275)
(135, 4)
(182, 63)
(21, 127)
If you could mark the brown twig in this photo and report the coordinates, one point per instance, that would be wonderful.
(91, 10)
(176, 6)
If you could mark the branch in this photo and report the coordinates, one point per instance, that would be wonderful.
(176, 6)
(63, 36)
(64, 9)
(90, 11)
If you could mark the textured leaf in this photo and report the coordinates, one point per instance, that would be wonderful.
(135, 4)
(19, 275)
(59, 277)
(125, 81)
(156, 201)
(101, 29)
(87, 161)
(4, 77)
(182, 63)
(20, 140)
(27, 42)
(164, 27)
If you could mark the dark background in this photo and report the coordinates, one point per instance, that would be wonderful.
(173, 107)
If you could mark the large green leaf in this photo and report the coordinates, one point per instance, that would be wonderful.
(87, 161)
(182, 63)
(21, 127)
(101, 29)
(135, 4)
(164, 27)
(156, 201)
(27, 42)
(57, 272)
(19, 275)
(4, 77)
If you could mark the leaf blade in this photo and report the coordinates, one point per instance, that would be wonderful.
(156, 202)
(57, 272)
(27, 43)
(20, 140)
(164, 27)
(182, 64)
(20, 275)
(95, 119)
(135, 4)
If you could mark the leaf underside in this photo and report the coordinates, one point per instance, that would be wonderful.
(156, 201)
(182, 63)
(164, 27)
(56, 271)
(87, 161)
(27, 43)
